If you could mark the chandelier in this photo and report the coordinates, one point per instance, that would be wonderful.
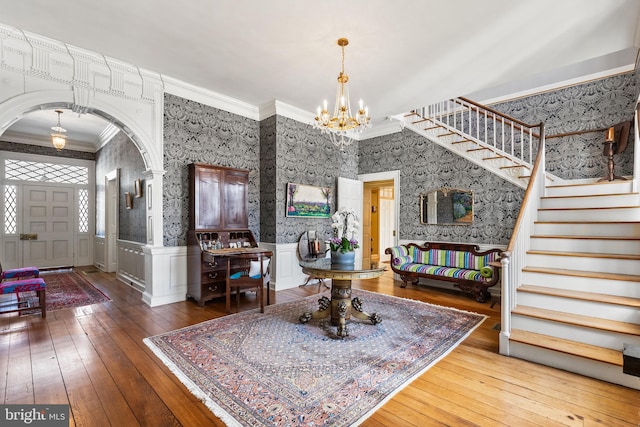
(342, 125)
(58, 138)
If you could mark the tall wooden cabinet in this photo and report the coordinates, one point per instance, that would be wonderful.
(218, 228)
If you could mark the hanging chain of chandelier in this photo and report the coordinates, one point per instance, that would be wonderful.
(342, 126)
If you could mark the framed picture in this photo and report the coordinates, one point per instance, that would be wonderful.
(137, 185)
(308, 201)
(128, 200)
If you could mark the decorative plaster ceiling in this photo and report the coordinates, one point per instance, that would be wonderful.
(402, 54)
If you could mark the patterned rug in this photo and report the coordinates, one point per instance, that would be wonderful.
(66, 289)
(269, 369)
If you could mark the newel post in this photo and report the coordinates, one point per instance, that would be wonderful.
(507, 298)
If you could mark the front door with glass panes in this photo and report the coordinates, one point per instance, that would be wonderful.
(47, 215)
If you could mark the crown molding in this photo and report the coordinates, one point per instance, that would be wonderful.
(210, 98)
(43, 141)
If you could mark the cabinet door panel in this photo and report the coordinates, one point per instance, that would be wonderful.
(235, 200)
(208, 201)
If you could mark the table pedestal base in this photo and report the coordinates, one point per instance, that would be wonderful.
(339, 308)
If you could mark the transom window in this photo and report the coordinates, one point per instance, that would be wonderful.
(25, 170)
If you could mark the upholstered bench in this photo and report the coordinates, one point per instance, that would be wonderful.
(19, 273)
(33, 284)
(461, 263)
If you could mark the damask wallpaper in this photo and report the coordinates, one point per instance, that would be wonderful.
(194, 132)
(425, 166)
(121, 153)
(594, 105)
(296, 152)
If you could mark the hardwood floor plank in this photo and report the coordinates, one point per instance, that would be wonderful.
(85, 405)
(185, 407)
(102, 366)
(85, 332)
(48, 383)
(19, 385)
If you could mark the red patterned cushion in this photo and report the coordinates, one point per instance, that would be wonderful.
(20, 273)
(22, 285)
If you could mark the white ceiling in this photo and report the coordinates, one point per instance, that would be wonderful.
(402, 54)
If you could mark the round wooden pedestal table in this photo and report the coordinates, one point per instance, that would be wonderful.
(340, 307)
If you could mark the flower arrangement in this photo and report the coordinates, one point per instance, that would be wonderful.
(345, 226)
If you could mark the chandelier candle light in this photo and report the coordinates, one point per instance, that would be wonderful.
(342, 124)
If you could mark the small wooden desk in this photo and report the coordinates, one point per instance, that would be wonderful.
(339, 306)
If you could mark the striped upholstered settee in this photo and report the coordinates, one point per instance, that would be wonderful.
(461, 263)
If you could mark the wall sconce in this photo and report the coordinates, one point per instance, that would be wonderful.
(137, 188)
(128, 200)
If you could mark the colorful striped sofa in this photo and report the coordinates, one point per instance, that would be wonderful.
(461, 263)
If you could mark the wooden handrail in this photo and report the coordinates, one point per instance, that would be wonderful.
(578, 132)
(527, 194)
(498, 113)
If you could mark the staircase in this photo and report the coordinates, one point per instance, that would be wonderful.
(501, 144)
(579, 298)
(571, 271)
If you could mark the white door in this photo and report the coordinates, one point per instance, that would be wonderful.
(48, 225)
(350, 195)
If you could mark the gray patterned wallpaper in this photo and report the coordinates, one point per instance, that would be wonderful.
(593, 105)
(121, 153)
(45, 151)
(195, 132)
(296, 152)
(425, 166)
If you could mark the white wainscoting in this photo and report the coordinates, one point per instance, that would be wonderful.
(286, 272)
(99, 243)
(131, 264)
(166, 273)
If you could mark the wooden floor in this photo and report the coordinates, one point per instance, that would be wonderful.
(93, 358)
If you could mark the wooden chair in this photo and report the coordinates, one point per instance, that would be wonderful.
(246, 272)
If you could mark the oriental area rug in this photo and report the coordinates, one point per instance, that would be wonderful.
(67, 289)
(259, 369)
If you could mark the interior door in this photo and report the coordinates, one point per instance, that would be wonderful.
(350, 196)
(48, 226)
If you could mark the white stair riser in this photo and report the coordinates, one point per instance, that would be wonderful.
(585, 190)
(590, 202)
(601, 338)
(579, 263)
(585, 284)
(599, 215)
(579, 365)
(600, 310)
(602, 246)
(585, 229)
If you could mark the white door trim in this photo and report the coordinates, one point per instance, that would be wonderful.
(386, 176)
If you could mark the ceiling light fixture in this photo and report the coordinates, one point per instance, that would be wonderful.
(58, 139)
(342, 124)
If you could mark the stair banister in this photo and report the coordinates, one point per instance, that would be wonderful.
(513, 258)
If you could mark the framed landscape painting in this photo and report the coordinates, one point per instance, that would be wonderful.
(308, 201)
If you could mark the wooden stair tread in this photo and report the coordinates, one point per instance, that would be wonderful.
(462, 141)
(600, 354)
(578, 273)
(586, 254)
(587, 222)
(493, 158)
(589, 209)
(584, 237)
(578, 320)
(578, 196)
(513, 166)
(478, 149)
(585, 296)
(585, 184)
